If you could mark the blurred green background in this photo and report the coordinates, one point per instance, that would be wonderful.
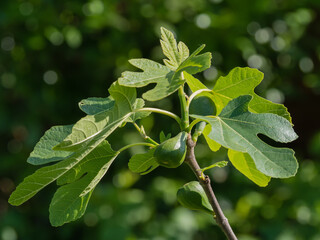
(55, 53)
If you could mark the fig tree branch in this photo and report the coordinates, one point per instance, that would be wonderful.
(204, 180)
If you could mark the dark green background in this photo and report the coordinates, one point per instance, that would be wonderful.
(55, 53)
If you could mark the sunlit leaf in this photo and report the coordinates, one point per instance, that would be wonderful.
(241, 81)
(93, 106)
(167, 80)
(237, 128)
(70, 200)
(213, 145)
(176, 54)
(89, 127)
(32, 184)
(245, 164)
(43, 153)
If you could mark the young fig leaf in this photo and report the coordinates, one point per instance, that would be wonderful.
(192, 196)
(163, 137)
(176, 54)
(143, 163)
(168, 78)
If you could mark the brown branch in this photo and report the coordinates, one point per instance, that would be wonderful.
(204, 180)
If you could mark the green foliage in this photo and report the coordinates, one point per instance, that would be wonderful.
(245, 164)
(168, 80)
(92, 127)
(241, 81)
(171, 153)
(237, 128)
(163, 137)
(71, 199)
(143, 163)
(43, 153)
(92, 106)
(191, 195)
(85, 156)
(176, 54)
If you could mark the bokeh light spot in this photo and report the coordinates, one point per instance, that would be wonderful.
(303, 214)
(73, 37)
(255, 61)
(7, 43)
(216, 1)
(275, 95)
(278, 44)
(54, 36)
(9, 233)
(50, 77)
(280, 26)
(219, 175)
(306, 65)
(263, 35)
(303, 16)
(93, 8)
(26, 8)
(8, 80)
(253, 27)
(203, 20)
(210, 74)
(124, 179)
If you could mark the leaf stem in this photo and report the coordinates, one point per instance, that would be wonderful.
(204, 180)
(144, 135)
(161, 111)
(195, 94)
(184, 107)
(217, 164)
(194, 122)
(135, 144)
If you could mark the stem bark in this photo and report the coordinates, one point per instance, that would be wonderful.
(204, 180)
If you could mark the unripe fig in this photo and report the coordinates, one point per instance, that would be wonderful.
(202, 105)
(171, 153)
(192, 196)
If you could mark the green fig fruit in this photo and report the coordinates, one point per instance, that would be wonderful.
(171, 153)
(192, 196)
(202, 105)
